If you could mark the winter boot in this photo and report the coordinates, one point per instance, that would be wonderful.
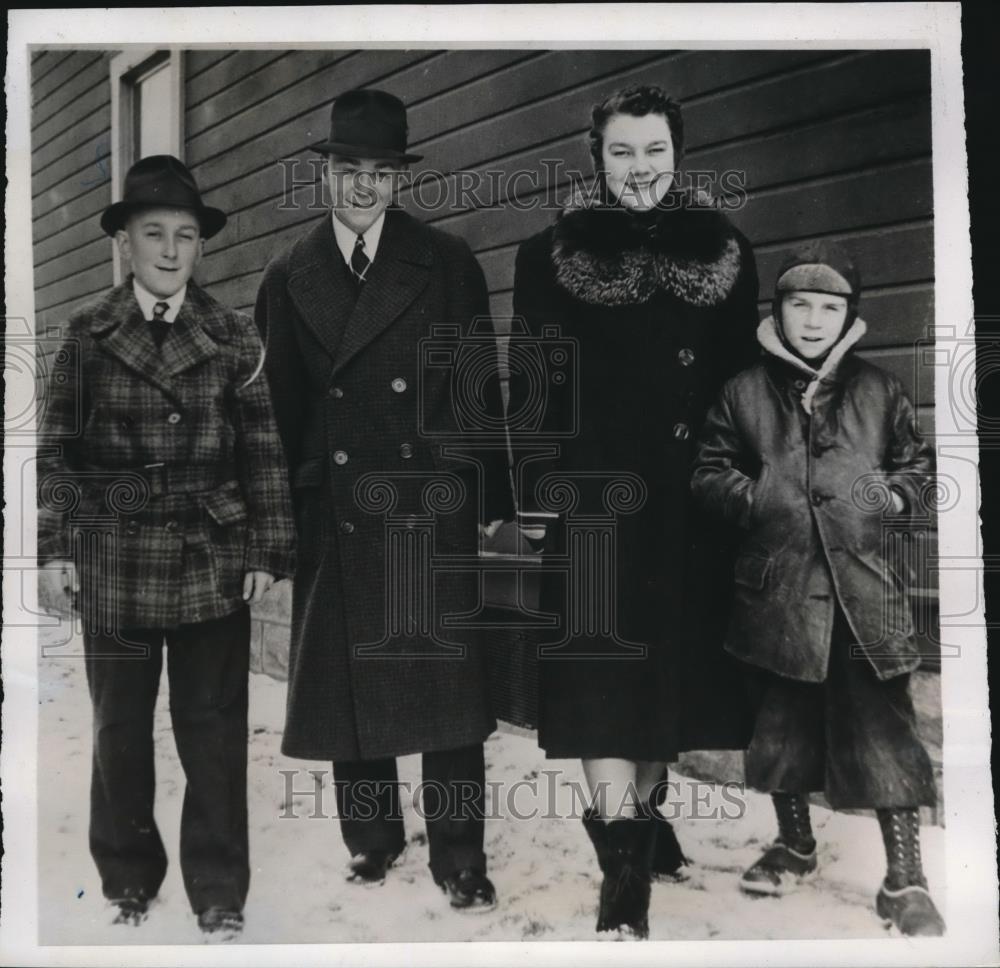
(668, 858)
(903, 899)
(624, 848)
(791, 857)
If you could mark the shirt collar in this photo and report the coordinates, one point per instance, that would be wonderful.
(346, 237)
(147, 301)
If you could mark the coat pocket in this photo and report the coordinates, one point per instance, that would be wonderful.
(225, 505)
(751, 571)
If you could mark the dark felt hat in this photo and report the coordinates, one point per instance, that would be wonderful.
(368, 124)
(161, 181)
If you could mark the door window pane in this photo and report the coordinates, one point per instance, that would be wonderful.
(153, 134)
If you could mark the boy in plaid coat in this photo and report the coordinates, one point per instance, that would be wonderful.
(163, 504)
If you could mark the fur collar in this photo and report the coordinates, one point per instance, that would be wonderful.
(767, 336)
(608, 256)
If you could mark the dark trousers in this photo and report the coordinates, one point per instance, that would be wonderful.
(453, 802)
(207, 668)
(853, 737)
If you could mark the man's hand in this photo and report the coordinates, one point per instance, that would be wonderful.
(486, 531)
(61, 584)
(255, 586)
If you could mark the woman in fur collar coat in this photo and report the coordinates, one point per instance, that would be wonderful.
(643, 300)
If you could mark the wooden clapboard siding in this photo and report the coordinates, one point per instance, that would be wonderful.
(63, 97)
(71, 185)
(832, 144)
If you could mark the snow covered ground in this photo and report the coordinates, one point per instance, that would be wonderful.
(543, 866)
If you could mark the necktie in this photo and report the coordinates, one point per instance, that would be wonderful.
(360, 263)
(158, 324)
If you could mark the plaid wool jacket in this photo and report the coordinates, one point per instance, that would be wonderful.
(160, 470)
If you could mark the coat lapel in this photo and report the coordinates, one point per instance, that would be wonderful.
(319, 287)
(399, 274)
(195, 334)
(124, 333)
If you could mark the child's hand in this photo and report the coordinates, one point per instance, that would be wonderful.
(255, 586)
(60, 585)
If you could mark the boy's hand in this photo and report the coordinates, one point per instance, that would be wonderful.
(255, 586)
(898, 504)
(60, 584)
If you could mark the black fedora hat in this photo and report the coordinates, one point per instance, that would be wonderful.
(161, 181)
(368, 124)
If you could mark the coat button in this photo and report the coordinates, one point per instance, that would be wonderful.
(799, 384)
(174, 418)
(171, 526)
(681, 431)
(399, 384)
(817, 498)
(406, 451)
(336, 393)
(125, 425)
(132, 528)
(346, 527)
(340, 457)
(685, 357)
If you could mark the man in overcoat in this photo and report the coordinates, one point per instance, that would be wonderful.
(367, 318)
(163, 501)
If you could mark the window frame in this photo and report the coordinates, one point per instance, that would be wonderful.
(128, 69)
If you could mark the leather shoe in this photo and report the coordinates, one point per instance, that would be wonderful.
(131, 910)
(220, 921)
(370, 866)
(470, 890)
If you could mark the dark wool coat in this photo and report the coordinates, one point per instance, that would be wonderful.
(656, 312)
(368, 393)
(811, 491)
(159, 470)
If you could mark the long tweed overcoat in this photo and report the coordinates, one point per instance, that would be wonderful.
(160, 470)
(657, 310)
(370, 396)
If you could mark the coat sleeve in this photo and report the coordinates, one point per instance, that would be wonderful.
(261, 465)
(59, 434)
(909, 460)
(470, 307)
(718, 481)
(537, 307)
(738, 348)
(283, 365)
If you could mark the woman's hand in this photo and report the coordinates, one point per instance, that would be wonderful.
(255, 586)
